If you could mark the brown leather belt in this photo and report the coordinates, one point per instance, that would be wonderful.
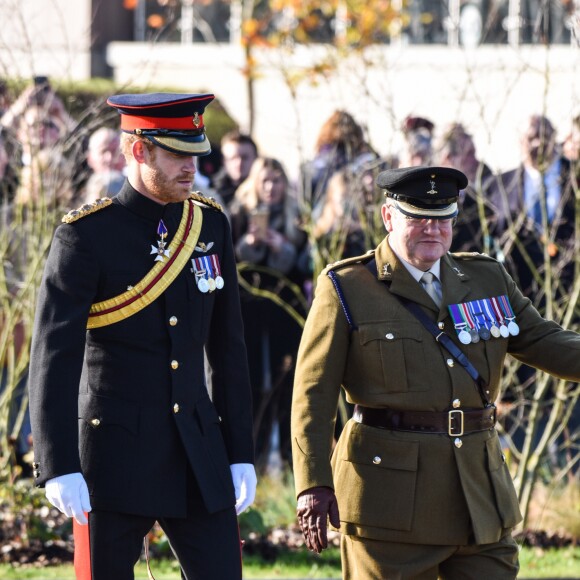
(454, 423)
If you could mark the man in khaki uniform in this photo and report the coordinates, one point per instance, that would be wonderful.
(417, 483)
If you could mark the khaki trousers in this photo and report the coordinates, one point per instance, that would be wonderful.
(365, 559)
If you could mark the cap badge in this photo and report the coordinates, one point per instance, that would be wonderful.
(196, 121)
(432, 191)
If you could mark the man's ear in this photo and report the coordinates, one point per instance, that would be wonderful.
(386, 213)
(139, 151)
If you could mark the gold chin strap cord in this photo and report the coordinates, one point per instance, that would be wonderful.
(157, 279)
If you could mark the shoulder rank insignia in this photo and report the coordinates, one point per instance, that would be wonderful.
(76, 214)
(350, 261)
(209, 201)
(472, 256)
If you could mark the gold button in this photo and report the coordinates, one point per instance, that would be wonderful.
(456, 403)
(176, 408)
(173, 320)
(174, 364)
(441, 325)
(95, 422)
(389, 336)
(376, 459)
(458, 443)
(450, 362)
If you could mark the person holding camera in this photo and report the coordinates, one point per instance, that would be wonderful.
(269, 244)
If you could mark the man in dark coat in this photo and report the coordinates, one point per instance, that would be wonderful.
(535, 207)
(417, 337)
(134, 291)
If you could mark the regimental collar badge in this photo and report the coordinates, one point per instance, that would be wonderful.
(161, 251)
(387, 270)
(458, 271)
(201, 247)
(432, 191)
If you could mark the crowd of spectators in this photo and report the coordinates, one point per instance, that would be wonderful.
(285, 230)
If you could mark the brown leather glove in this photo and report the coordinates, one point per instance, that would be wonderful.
(315, 506)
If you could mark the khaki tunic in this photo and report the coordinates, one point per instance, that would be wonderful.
(401, 486)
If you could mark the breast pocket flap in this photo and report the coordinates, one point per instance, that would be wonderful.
(390, 331)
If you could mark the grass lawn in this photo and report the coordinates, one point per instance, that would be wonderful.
(535, 563)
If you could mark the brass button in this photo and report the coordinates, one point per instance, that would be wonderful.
(456, 403)
(389, 336)
(376, 459)
(176, 408)
(174, 364)
(441, 325)
(503, 458)
(458, 443)
(450, 362)
(95, 422)
(173, 321)
(36, 473)
(35, 465)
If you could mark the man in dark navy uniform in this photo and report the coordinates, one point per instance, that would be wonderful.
(134, 291)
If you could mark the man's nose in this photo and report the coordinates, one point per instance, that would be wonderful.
(189, 165)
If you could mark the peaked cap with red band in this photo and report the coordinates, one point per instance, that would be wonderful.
(173, 121)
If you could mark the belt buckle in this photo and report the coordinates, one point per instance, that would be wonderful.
(451, 416)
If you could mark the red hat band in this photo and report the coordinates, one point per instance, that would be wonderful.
(131, 123)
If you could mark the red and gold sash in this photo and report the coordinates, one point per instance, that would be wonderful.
(157, 279)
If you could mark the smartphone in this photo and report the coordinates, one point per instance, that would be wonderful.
(42, 85)
(259, 219)
(40, 81)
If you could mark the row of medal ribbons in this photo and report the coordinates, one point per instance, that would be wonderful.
(483, 319)
(207, 273)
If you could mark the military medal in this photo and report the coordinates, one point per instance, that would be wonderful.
(486, 303)
(160, 250)
(480, 321)
(207, 272)
(512, 326)
(459, 323)
(474, 335)
(219, 281)
(197, 268)
(503, 329)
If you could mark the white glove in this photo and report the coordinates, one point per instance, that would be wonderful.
(244, 478)
(70, 494)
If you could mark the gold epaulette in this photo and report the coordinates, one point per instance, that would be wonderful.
(350, 261)
(76, 214)
(196, 196)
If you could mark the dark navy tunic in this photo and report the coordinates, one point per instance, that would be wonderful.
(127, 404)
